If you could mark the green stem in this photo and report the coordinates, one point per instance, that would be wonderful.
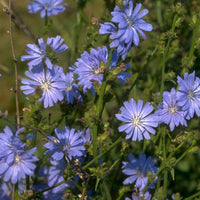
(170, 155)
(165, 183)
(177, 148)
(94, 141)
(46, 19)
(100, 105)
(194, 39)
(158, 12)
(107, 192)
(13, 192)
(164, 58)
(101, 154)
(50, 188)
(158, 182)
(27, 183)
(183, 155)
(193, 196)
(165, 170)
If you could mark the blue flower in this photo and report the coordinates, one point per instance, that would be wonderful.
(90, 67)
(5, 190)
(139, 121)
(130, 23)
(22, 165)
(169, 112)
(46, 7)
(189, 99)
(71, 88)
(49, 82)
(56, 44)
(10, 144)
(68, 143)
(55, 176)
(86, 136)
(38, 53)
(137, 170)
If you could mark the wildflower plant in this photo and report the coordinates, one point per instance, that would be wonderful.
(112, 117)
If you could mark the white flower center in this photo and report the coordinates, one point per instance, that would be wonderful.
(46, 85)
(190, 95)
(173, 109)
(69, 88)
(136, 121)
(17, 159)
(99, 70)
(129, 21)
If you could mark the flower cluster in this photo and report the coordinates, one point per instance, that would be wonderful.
(51, 81)
(177, 107)
(46, 7)
(129, 23)
(15, 162)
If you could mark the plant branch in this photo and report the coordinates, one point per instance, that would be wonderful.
(17, 20)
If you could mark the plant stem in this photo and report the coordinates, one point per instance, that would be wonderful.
(158, 12)
(100, 105)
(13, 192)
(101, 154)
(107, 192)
(194, 39)
(49, 188)
(184, 154)
(17, 20)
(46, 19)
(192, 197)
(165, 170)
(164, 58)
(15, 65)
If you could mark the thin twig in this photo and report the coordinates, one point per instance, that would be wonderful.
(15, 64)
(17, 20)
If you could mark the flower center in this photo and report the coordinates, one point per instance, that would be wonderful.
(173, 109)
(55, 141)
(69, 88)
(99, 70)
(136, 121)
(190, 95)
(46, 85)
(129, 21)
(17, 159)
